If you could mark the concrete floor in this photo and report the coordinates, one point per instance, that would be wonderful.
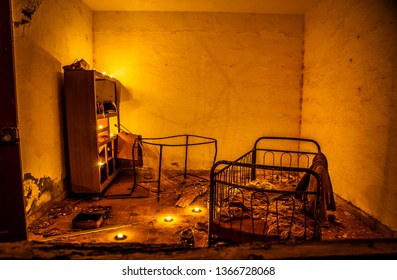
(141, 216)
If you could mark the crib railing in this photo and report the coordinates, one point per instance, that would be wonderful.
(271, 151)
(253, 203)
(234, 197)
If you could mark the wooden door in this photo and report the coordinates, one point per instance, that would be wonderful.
(12, 210)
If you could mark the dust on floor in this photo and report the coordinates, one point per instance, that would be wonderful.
(141, 216)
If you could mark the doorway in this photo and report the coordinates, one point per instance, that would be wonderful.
(12, 221)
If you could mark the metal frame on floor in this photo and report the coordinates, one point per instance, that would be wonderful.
(152, 141)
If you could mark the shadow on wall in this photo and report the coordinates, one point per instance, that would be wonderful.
(124, 93)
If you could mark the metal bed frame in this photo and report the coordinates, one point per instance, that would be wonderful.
(228, 178)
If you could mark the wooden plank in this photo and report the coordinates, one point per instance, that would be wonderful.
(190, 196)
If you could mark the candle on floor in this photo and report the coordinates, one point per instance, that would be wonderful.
(120, 236)
(168, 219)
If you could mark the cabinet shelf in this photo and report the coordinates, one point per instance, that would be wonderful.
(84, 91)
(101, 116)
(107, 140)
(103, 129)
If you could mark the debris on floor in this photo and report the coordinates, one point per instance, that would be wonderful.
(61, 209)
(98, 209)
(190, 196)
(43, 225)
(87, 220)
(186, 238)
(142, 219)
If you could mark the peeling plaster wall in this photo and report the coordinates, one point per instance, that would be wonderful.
(350, 97)
(48, 34)
(230, 76)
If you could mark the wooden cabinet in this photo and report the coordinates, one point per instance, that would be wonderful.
(92, 119)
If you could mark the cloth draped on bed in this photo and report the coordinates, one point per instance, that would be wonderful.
(309, 183)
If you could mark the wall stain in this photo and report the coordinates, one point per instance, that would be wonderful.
(38, 192)
(28, 11)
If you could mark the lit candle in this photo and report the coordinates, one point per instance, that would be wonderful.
(100, 126)
(100, 163)
(120, 236)
(111, 76)
(104, 73)
(196, 210)
(168, 219)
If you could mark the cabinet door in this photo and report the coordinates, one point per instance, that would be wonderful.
(114, 125)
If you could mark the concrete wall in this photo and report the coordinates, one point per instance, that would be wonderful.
(233, 77)
(230, 76)
(350, 97)
(48, 34)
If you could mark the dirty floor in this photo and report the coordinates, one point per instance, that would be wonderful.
(141, 215)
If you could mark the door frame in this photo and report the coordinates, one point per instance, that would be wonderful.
(12, 208)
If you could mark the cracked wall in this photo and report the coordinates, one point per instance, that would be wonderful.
(47, 35)
(27, 11)
(234, 77)
(350, 97)
(39, 192)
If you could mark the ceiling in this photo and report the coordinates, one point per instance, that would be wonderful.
(232, 6)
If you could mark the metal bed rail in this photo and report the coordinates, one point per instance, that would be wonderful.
(262, 162)
(163, 142)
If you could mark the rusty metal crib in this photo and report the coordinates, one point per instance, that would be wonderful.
(255, 197)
